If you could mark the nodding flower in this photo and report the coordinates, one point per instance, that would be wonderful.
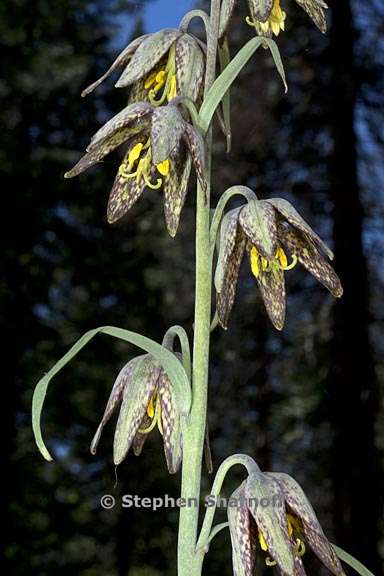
(276, 238)
(267, 16)
(162, 146)
(158, 67)
(273, 519)
(147, 401)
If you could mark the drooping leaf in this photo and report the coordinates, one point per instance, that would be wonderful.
(167, 359)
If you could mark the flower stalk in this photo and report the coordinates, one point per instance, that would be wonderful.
(189, 560)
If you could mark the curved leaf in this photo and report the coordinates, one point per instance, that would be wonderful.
(167, 359)
(230, 73)
(352, 562)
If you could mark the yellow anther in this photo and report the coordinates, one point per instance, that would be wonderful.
(150, 80)
(281, 256)
(154, 412)
(270, 562)
(134, 153)
(151, 408)
(255, 262)
(172, 91)
(163, 167)
(263, 544)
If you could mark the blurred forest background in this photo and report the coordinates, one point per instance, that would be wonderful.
(307, 401)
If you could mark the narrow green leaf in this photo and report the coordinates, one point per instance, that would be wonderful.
(352, 562)
(227, 77)
(167, 359)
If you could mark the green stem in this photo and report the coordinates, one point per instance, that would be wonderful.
(189, 560)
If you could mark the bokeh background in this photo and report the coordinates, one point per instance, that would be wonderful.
(307, 401)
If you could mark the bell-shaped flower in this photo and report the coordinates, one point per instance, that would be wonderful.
(304, 527)
(161, 149)
(158, 67)
(269, 515)
(147, 400)
(276, 238)
(267, 16)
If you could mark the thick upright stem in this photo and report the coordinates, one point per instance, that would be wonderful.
(190, 562)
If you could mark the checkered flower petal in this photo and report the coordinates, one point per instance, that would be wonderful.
(308, 255)
(175, 190)
(299, 504)
(136, 399)
(272, 288)
(190, 66)
(148, 54)
(243, 542)
(123, 379)
(315, 10)
(258, 222)
(171, 424)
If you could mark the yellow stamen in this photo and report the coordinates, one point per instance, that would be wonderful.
(291, 265)
(280, 254)
(138, 165)
(274, 23)
(153, 186)
(265, 264)
(154, 412)
(151, 408)
(150, 80)
(255, 262)
(299, 547)
(270, 562)
(134, 154)
(172, 92)
(163, 167)
(263, 544)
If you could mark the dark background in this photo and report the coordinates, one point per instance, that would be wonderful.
(307, 401)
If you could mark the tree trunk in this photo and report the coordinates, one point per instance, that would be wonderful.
(353, 385)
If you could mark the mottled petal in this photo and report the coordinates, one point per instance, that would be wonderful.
(315, 10)
(195, 143)
(121, 60)
(189, 66)
(258, 221)
(242, 535)
(228, 234)
(175, 190)
(299, 567)
(103, 148)
(115, 398)
(147, 56)
(226, 297)
(171, 424)
(124, 119)
(166, 130)
(125, 192)
(266, 504)
(308, 255)
(227, 7)
(260, 9)
(138, 92)
(272, 288)
(290, 214)
(140, 439)
(299, 504)
(136, 398)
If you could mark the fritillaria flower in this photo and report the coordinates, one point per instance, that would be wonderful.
(161, 149)
(158, 67)
(273, 518)
(276, 238)
(268, 17)
(147, 401)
